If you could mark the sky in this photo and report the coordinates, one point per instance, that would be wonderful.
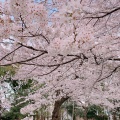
(2, 0)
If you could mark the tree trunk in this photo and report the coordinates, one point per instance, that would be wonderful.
(42, 117)
(47, 116)
(85, 118)
(114, 116)
(56, 111)
(85, 113)
(37, 116)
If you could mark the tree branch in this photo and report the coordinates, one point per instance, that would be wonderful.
(107, 13)
(10, 53)
(22, 62)
(32, 48)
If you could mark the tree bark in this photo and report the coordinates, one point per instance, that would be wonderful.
(85, 113)
(114, 116)
(56, 112)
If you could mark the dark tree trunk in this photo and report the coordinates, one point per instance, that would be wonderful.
(114, 116)
(37, 116)
(85, 118)
(56, 112)
(42, 117)
(85, 113)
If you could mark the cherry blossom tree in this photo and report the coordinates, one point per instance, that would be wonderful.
(73, 51)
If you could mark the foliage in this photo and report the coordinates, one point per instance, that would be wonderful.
(97, 113)
(19, 100)
(7, 69)
(94, 111)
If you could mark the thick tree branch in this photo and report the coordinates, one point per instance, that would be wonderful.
(32, 48)
(106, 14)
(51, 65)
(10, 52)
(22, 62)
(110, 74)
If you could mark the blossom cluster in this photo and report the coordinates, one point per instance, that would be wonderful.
(76, 54)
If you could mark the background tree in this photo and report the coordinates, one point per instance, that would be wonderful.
(19, 94)
(93, 112)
